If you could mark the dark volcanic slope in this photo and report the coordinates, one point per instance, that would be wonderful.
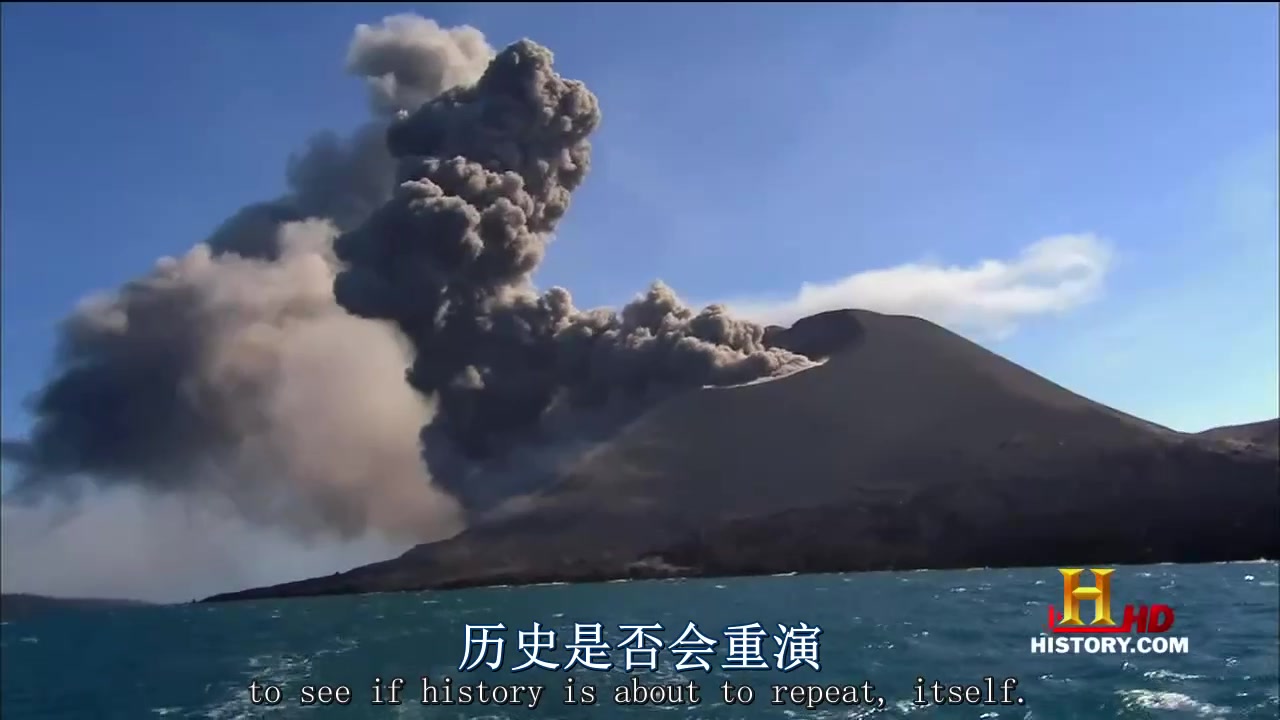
(1265, 432)
(912, 447)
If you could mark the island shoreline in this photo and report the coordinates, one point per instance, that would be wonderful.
(559, 579)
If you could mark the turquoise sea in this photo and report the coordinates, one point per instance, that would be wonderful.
(197, 661)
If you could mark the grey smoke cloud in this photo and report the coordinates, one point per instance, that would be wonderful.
(408, 60)
(266, 367)
(242, 375)
(487, 171)
(231, 372)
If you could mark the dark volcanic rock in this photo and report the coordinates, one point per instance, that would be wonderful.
(1265, 433)
(817, 336)
(910, 448)
(998, 530)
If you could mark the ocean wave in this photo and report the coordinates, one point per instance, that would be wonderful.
(1169, 675)
(1139, 699)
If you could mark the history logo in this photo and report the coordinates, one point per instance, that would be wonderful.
(1067, 632)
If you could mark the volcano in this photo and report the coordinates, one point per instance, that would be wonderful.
(909, 447)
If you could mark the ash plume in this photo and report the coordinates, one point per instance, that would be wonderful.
(265, 370)
(240, 379)
(408, 60)
(405, 61)
(486, 172)
(230, 375)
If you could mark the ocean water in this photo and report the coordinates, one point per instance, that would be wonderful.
(197, 661)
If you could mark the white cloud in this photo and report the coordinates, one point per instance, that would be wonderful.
(987, 299)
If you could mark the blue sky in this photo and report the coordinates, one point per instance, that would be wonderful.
(745, 152)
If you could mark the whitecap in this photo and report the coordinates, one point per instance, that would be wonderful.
(907, 706)
(1162, 700)
(1169, 675)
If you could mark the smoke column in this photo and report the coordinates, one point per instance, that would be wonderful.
(405, 61)
(486, 172)
(231, 377)
(265, 369)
